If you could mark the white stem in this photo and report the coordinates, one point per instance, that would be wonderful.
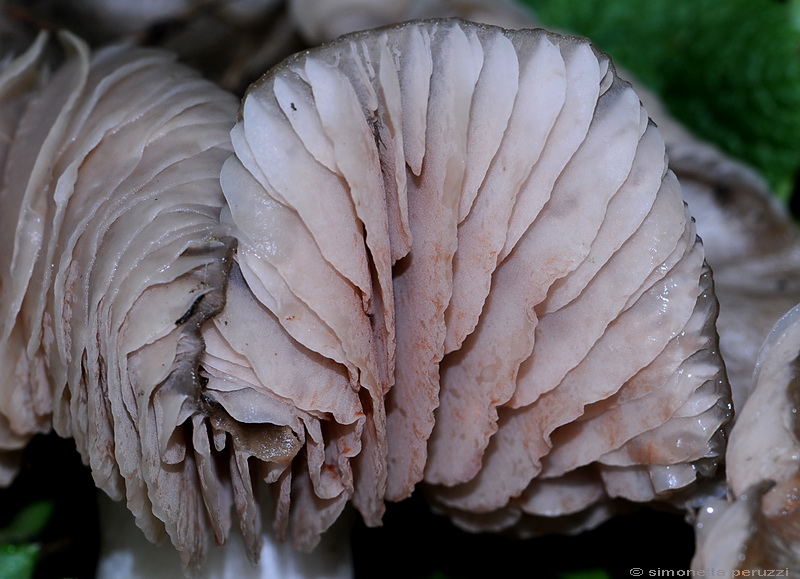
(126, 554)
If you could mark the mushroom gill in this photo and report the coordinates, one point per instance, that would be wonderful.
(500, 221)
(440, 253)
(750, 240)
(115, 257)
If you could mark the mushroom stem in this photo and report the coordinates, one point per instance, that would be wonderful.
(126, 553)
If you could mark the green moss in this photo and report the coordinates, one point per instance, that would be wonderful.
(29, 522)
(19, 551)
(18, 561)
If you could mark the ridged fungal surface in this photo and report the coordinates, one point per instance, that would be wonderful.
(757, 528)
(110, 213)
(454, 255)
(494, 211)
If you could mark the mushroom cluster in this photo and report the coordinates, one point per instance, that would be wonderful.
(440, 253)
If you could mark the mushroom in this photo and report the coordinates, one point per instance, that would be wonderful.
(116, 256)
(439, 253)
(758, 528)
(231, 43)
